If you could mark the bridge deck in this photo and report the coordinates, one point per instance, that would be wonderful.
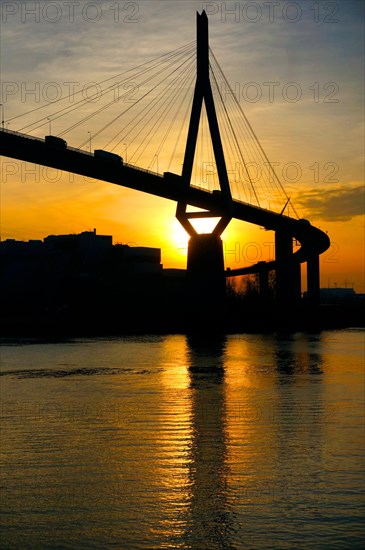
(27, 148)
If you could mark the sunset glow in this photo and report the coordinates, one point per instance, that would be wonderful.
(299, 85)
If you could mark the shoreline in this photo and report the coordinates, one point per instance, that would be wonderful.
(253, 319)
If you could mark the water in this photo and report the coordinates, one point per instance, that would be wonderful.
(253, 441)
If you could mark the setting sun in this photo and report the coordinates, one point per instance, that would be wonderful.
(179, 236)
(201, 225)
(182, 274)
(138, 108)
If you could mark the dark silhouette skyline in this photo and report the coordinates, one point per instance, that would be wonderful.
(84, 284)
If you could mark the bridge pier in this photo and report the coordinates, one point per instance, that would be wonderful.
(206, 282)
(288, 281)
(263, 275)
(313, 280)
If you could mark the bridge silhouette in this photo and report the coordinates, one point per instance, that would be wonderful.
(205, 265)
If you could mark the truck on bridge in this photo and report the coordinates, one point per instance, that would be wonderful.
(109, 157)
(55, 142)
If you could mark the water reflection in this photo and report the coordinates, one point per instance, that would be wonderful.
(299, 418)
(297, 354)
(249, 441)
(206, 358)
(253, 426)
(210, 523)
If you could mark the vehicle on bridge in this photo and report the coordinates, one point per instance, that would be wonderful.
(56, 142)
(106, 155)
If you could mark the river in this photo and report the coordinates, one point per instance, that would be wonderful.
(246, 441)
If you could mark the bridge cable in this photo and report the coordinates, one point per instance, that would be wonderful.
(275, 188)
(128, 108)
(191, 72)
(232, 141)
(150, 107)
(235, 139)
(160, 120)
(73, 94)
(141, 115)
(182, 125)
(253, 133)
(68, 109)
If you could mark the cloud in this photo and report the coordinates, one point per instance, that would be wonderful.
(333, 204)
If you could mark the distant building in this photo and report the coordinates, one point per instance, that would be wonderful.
(337, 295)
(86, 244)
(11, 246)
(145, 260)
(77, 278)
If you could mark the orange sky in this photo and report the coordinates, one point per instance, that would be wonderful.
(321, 132)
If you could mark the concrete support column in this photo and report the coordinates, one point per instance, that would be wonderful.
(297, 281)
(263, 274)
(313, 283)
(288, 282)
(206, 282)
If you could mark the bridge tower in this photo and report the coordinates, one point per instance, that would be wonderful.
(205, 264)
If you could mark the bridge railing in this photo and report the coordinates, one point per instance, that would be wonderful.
(76, 150)
(145, 170)
(81, 151)
(20, 134)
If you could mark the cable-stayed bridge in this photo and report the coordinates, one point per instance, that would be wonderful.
(184, 137)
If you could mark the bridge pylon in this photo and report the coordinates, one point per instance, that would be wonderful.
(203, 91)
(205, 265)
